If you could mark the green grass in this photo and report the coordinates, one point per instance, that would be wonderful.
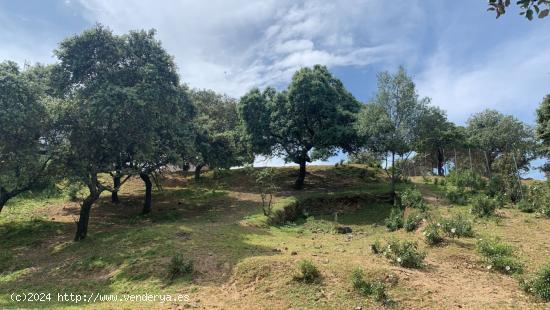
(217, 223)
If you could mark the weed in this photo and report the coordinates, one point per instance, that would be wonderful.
(179, 266)
(394, 220)
(458, 226)
(483, 206)
(540, 284)
(374, 288)
(499, 256)
(404, 253)
(413, 220)
(308, 272)
(432, 234)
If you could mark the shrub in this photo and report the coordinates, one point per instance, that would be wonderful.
(395, 220)
(540, 284)
(456, 195)
(179, 266)
(499, 256)
(376, 247)
(308, 273)
(376, 289)
(404, 253)
(526, 206)
(413, 220)
(466, 179)
(412, 198)
(432, 234)
(458, 226)
(483, 206)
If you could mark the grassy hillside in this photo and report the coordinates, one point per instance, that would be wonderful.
(240, 262)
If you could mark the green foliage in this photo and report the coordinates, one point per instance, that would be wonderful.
(28, 143)
(456, 195)
(394, 220)
(483, 206)
(411, 197)
(315, 113)
(457, 226)
(374, 288)
(536, 198)
(432, 234)
(404, 253)
(376, 247)
(543, 124)
(388, 124)
(366, 158)
(466, 179)
(265, 180)
(413, 220)
(308, 272)
(528, 8)
(179, 266)
(540, 284)
(218, 141)
(499, 256)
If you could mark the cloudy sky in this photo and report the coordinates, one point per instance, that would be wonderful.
(459, 55)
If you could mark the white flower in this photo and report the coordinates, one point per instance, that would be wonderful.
(438, 225)
(399, 260)
(507, 268)
(489, 267)
(453, 230)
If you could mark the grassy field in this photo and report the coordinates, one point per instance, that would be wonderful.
(242, 263)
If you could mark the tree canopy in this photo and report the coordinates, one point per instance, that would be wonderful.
(310, 120)
(528, 8)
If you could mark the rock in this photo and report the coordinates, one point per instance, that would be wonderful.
(358, 308)
(343, 230)
(293, 253)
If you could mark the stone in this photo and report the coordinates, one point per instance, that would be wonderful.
(343, 230)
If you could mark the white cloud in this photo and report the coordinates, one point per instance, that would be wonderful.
(511, 77)
(232, 46)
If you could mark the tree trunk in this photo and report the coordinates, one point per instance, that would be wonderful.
(198, 172)
(299, 184)
(488, 165)
(116, 186)
(82, 224)
(4, 197)
(393, 177)
(148, 193)
(440, 163)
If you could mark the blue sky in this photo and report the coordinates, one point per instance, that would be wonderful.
(459, 54)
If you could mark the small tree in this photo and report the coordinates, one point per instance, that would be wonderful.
(217, 130)
(389, 123)
(543, 128)
(265, 180)
(312, 119)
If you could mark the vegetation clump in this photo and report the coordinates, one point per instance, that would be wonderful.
(308, 272)
(395, 220)
(411, 197)
(180, 266)
(403, 253)
(373, 288)
(499, 256)
(432, 234)
(413, 221)
(457, 226)
(539, 286)
(483, 206)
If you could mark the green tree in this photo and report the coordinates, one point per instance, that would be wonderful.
(389, 123)
(436, 135)
(125, 111)
(217, 133)
(28, 144)
(312, 119)
(495, 134)
(543, 128)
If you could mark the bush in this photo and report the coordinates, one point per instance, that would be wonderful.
(466, 179)
(308, 273)
(540, 285)
(526, 206)
(483, 206)
(376, 289)
(395, 220)
(376, 247)
(413, 220)
(432, 234)
(456, 195)
(457, 226)
(404, 253)
(499, 256)
(179, 266)
(412, 198)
